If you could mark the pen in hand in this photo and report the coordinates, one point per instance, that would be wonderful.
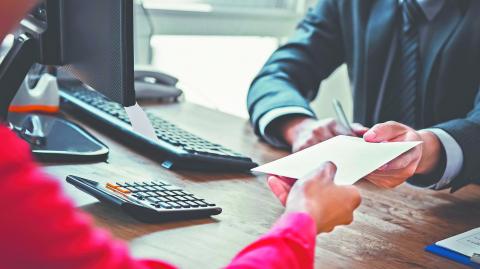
(342, 118)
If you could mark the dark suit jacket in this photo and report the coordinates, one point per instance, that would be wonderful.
(359, 33)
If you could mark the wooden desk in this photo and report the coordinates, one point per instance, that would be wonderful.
(391, 227)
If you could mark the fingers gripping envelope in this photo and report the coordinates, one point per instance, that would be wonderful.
(353, 157)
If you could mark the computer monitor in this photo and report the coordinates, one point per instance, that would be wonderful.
(91, 39)
(97, 45)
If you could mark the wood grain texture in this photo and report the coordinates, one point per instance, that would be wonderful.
(390, 230)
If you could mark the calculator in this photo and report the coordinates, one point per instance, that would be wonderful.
(148, 201)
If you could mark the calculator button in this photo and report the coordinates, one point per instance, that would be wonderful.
(183, 204)
(181, 198)
(163, 199)
(170, 193)
(193, 204)
(153, 199)
(160, 193)
(144, 194)
(141, 188)
(201, 203)
(158, 188)
(116, 188)
(170, 198)
(171, 188)
(138, 196)
(150, 188)
(174, 205)
(165, 205)
(152, 193)
(132, 189)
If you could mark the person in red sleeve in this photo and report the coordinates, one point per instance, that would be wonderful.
(40, 227)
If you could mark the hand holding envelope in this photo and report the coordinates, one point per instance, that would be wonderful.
(353, 157)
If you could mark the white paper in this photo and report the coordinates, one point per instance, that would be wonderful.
(467, 243)
(140, 122)
(353, 157)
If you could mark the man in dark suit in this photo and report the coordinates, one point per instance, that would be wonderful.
(414, 67)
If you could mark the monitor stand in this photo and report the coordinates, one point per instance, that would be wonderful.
(52, 139)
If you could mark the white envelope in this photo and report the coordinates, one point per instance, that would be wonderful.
(353, 157)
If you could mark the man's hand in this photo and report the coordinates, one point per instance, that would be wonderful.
(328, 204)
(422, 159)
(304, 132)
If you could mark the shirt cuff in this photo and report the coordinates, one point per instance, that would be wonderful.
(274, 114)
(454, 158)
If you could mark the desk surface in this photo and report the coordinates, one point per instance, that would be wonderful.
(391, 227)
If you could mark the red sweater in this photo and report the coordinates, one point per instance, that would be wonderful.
(40, 227)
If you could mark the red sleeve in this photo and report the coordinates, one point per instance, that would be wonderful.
(289, 245)
(40, 228)
(11, 12)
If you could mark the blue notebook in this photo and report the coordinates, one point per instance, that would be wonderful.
(452, 255)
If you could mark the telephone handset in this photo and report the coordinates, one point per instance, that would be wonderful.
(155, 77)
(150, 84)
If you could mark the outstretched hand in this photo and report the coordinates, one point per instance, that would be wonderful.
(328, 204)
(420, 160)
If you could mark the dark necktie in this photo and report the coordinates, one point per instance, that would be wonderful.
(402, 102)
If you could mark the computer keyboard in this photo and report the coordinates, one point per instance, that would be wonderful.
(175, 147)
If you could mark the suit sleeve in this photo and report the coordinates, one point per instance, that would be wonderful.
(466, 133)
(292, 75)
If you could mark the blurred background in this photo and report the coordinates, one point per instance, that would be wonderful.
(216, 47)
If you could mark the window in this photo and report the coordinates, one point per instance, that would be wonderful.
(214, 71)
(214, 47)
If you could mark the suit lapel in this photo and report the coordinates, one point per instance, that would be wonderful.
(379, 33)
(442, 30)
